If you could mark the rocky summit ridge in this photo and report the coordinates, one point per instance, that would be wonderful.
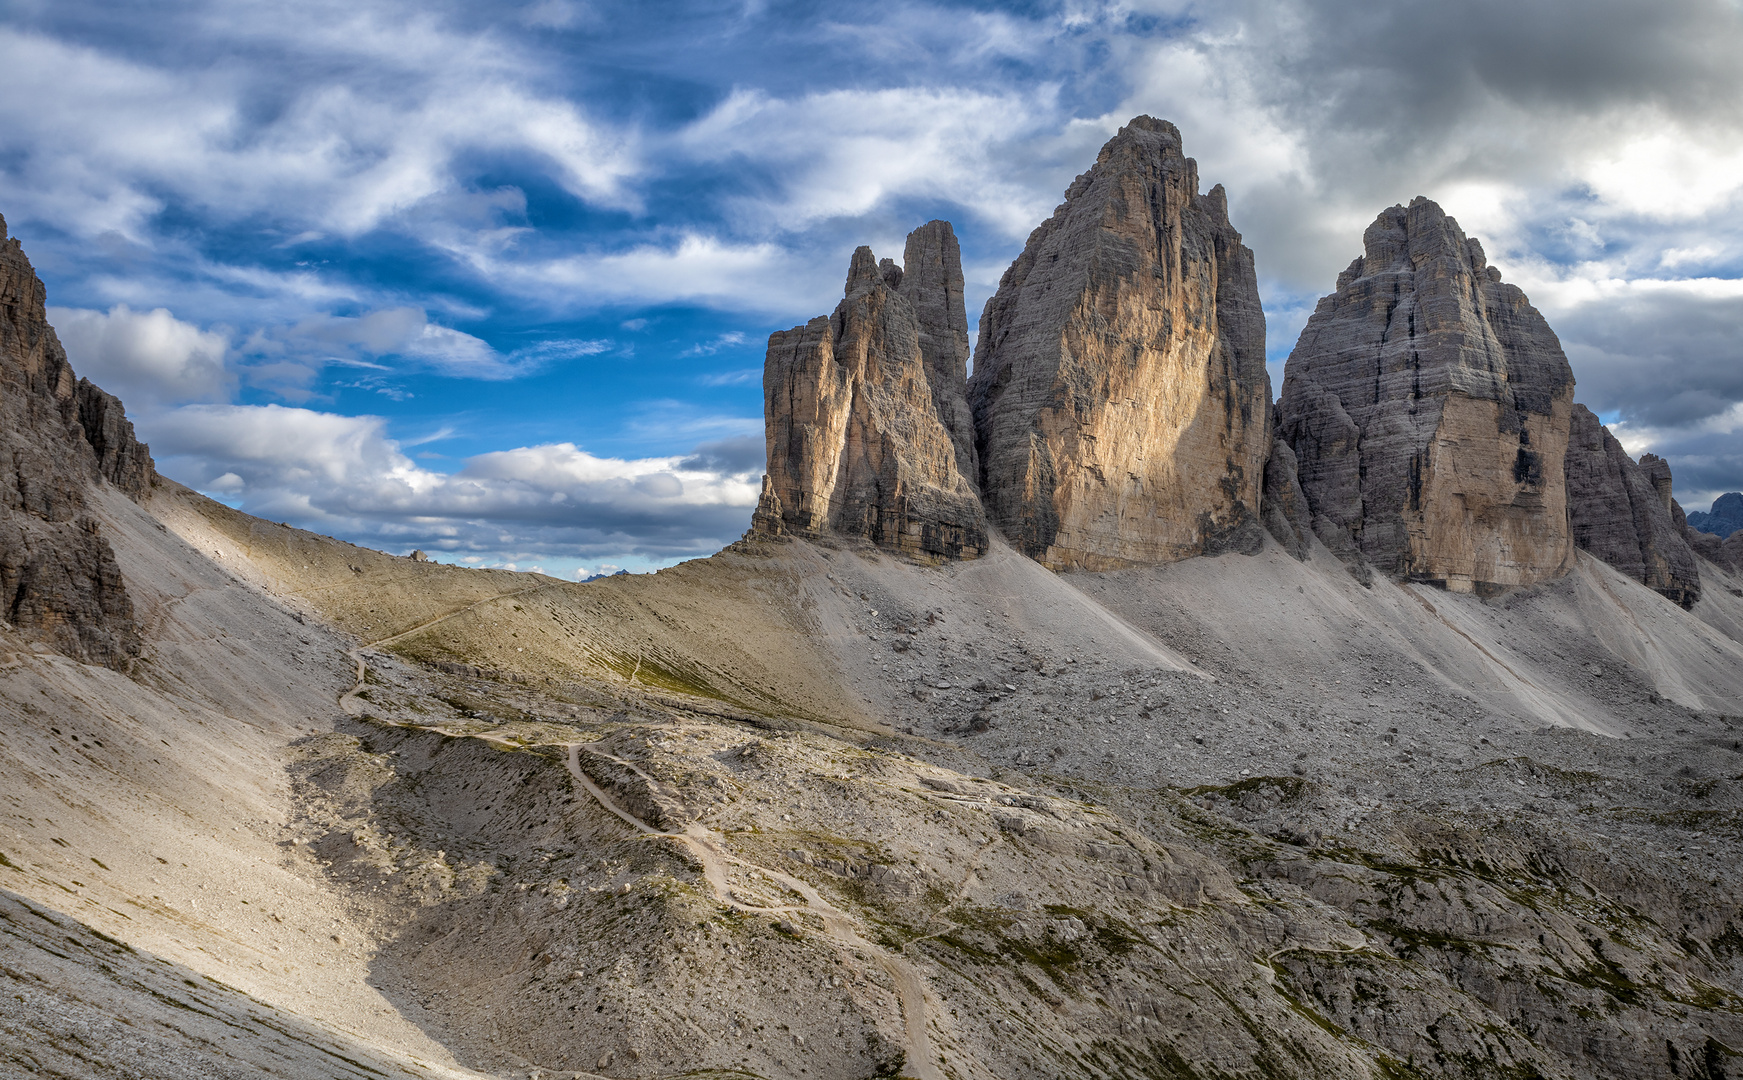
(1119, 391)
(1725, 517)
(59, 435)
(1428, 406)
(1119, 413)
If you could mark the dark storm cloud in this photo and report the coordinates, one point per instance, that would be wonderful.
(1661, 360)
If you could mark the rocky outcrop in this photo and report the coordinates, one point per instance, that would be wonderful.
(1120, 394)
(1731, 552)
(1725, 518)
(1621, 512)
(931, 281)
(868, 431)
(1428, 404)
(59, 581)
(1285, 510)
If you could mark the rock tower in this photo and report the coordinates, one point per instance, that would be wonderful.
(869, 434)
(1621, 511)
(1120, 394)
(1428, 405)
(59, 436)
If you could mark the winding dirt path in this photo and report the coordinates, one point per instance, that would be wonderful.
(710, 850)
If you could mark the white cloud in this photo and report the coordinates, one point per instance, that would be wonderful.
(693, 267)
(978, 149)
(393, 101)
(372, 339)
(145, 357)
(728, 340)
(345, 476)
(1666, 174)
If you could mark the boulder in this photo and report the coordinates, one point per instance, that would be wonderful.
(1120, 396)
(59, 436)
(867, 427)
(1428, 405)
(1621, 511)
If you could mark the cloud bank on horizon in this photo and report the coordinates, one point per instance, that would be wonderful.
(494, 282)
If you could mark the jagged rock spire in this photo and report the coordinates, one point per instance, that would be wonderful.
(1428, 406)
(1120, 394)
(1620, 511)
(864, 413)
(59, 435)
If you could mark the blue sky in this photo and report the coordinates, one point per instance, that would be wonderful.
(494, 280)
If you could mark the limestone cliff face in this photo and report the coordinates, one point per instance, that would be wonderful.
(1286, 513)
(59, 581)
(1428, 406)
(1620, 511)
(868, 431)
(1120, 394)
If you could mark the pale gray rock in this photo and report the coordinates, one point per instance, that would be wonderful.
(1620, 511)
(1120, 394)
(930, 279)
(864, 413)
(1708, 546)
(1286, 513)
(1427, 403)
(1731, 550)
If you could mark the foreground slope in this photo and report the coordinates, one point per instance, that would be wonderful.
(966, 820)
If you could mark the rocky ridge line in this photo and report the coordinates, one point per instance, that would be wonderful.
(1725, 518)
(1621, 511)
(59, 435)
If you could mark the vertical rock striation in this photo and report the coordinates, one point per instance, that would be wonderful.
(1286, 513)
(931, 282)
(1120, 395)
(868, 431)
(1620, 511)
(1428, 407)
(59, 581)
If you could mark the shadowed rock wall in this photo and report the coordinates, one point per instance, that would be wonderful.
(1428, 406)
(868, 431)
(59, 435)
(1621, 511)
(1120, 393)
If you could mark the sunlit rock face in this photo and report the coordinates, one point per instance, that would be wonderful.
(1428, 405)
(869, 435)
(1621, 511)
(60, 436)
(1120, 394)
